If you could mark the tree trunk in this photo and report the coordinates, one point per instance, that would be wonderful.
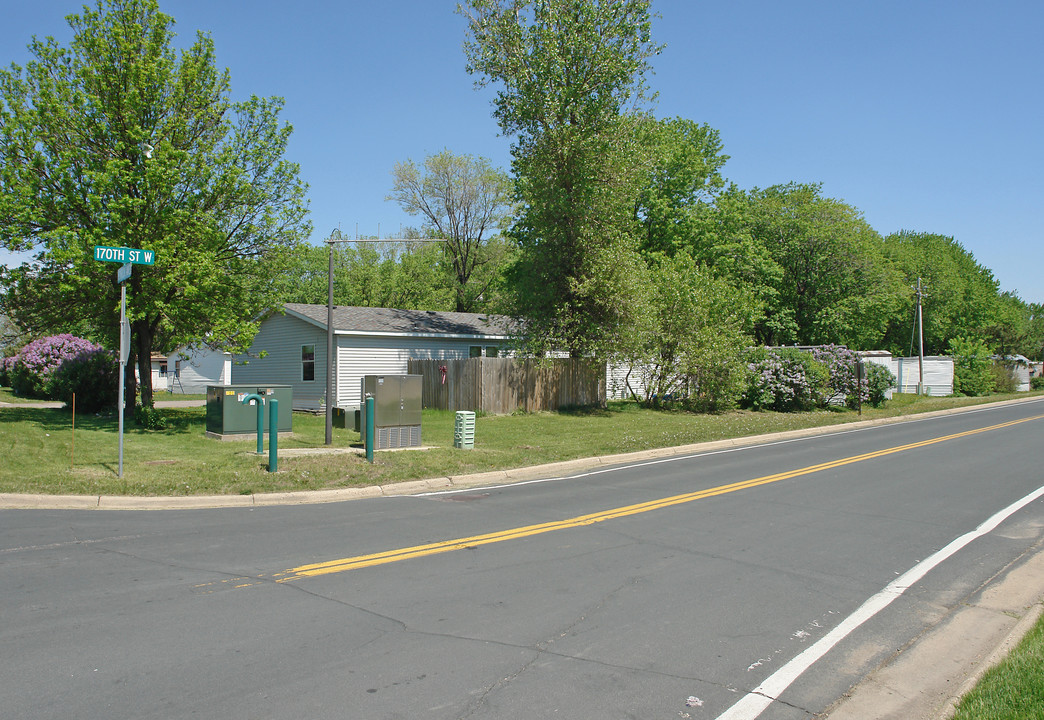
(130, 386)
(143, 335)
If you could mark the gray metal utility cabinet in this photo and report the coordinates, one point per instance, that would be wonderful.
(397, 410)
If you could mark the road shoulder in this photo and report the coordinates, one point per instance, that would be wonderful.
(925, 680)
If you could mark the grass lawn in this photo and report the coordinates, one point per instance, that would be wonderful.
(1014, 689)
(43, 454)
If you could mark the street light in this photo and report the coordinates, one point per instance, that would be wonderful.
(337, 237)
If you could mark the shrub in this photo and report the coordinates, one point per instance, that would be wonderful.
(93, 376)
(1004, 380)
(878, 380)
(784, 380)
(37, 362)
(1037, 383)
(148, 418)
(843, 384)
(6, 366)
(972, 367)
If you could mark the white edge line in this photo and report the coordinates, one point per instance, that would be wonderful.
(758, 699)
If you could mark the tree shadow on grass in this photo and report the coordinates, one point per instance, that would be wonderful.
(176, 421)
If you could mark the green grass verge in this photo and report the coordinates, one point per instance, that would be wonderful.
(1012, 690)
(42, 453)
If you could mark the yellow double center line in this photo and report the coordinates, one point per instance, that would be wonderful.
(417, 551)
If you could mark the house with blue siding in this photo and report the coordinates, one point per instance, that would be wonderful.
(290, 347)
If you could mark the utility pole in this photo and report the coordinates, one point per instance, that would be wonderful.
(337, 237)
(920, 341)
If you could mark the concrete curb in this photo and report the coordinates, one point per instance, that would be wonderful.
(412, 487)
(1023, 626)
(927, 679)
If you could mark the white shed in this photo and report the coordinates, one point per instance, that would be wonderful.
(190, 369)
(290, 347)
(937, 379)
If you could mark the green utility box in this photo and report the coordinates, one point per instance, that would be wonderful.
(228, 417)
(346, 418)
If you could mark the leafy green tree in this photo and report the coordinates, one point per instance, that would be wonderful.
(570, 74)
(683, 181)
(972, 366)
(381, 274)
(120, 140)
(691, 343)
(1011, 329)
(833, 285)
(12, 338)
(960, 296)
(466, 201)
(1034, 348)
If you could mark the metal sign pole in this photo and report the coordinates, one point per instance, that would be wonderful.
(123, 366)
(128, 258)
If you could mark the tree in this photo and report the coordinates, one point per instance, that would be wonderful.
(382, 274)
(683, 181)
(691, 343)
(960, 296)
(466, 201)
(1035, 341)
(834, 286)
(118, 140)
(572, 72)
(11, 337)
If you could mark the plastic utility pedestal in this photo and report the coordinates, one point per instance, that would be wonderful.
(464, 430)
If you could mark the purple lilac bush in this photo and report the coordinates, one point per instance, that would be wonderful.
(843, 385)
(784, 380)
(6, 366)
(36, 364)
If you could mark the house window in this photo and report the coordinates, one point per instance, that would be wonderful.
(492, 351)
(308, 362)
(475, 351)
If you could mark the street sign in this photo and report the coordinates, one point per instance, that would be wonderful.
(125, 338)
(124, 273)
(124, 255)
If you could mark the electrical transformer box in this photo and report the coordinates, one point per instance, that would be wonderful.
(397, 410)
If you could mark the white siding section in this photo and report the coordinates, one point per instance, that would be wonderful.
(886, 361)
(359, 355)
(197, 368)
(616, 381)
(281, 338)
(938, 375)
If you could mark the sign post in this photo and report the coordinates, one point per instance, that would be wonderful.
(128, 258)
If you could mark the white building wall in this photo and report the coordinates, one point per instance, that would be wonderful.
(938, 375)
(280, 339)
(617, 381)
(360, 355)
(191, 370)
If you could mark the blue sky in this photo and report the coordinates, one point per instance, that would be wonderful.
(926, 115)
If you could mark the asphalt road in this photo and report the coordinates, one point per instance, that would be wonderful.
(667, 589)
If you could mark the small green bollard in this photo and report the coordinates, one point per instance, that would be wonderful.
(369, 429)
(273, 434)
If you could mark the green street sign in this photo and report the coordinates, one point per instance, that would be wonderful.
(124, 255)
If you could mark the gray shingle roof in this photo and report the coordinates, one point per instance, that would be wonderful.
(388, 320)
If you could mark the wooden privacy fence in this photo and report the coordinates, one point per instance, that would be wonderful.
(503, 385)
